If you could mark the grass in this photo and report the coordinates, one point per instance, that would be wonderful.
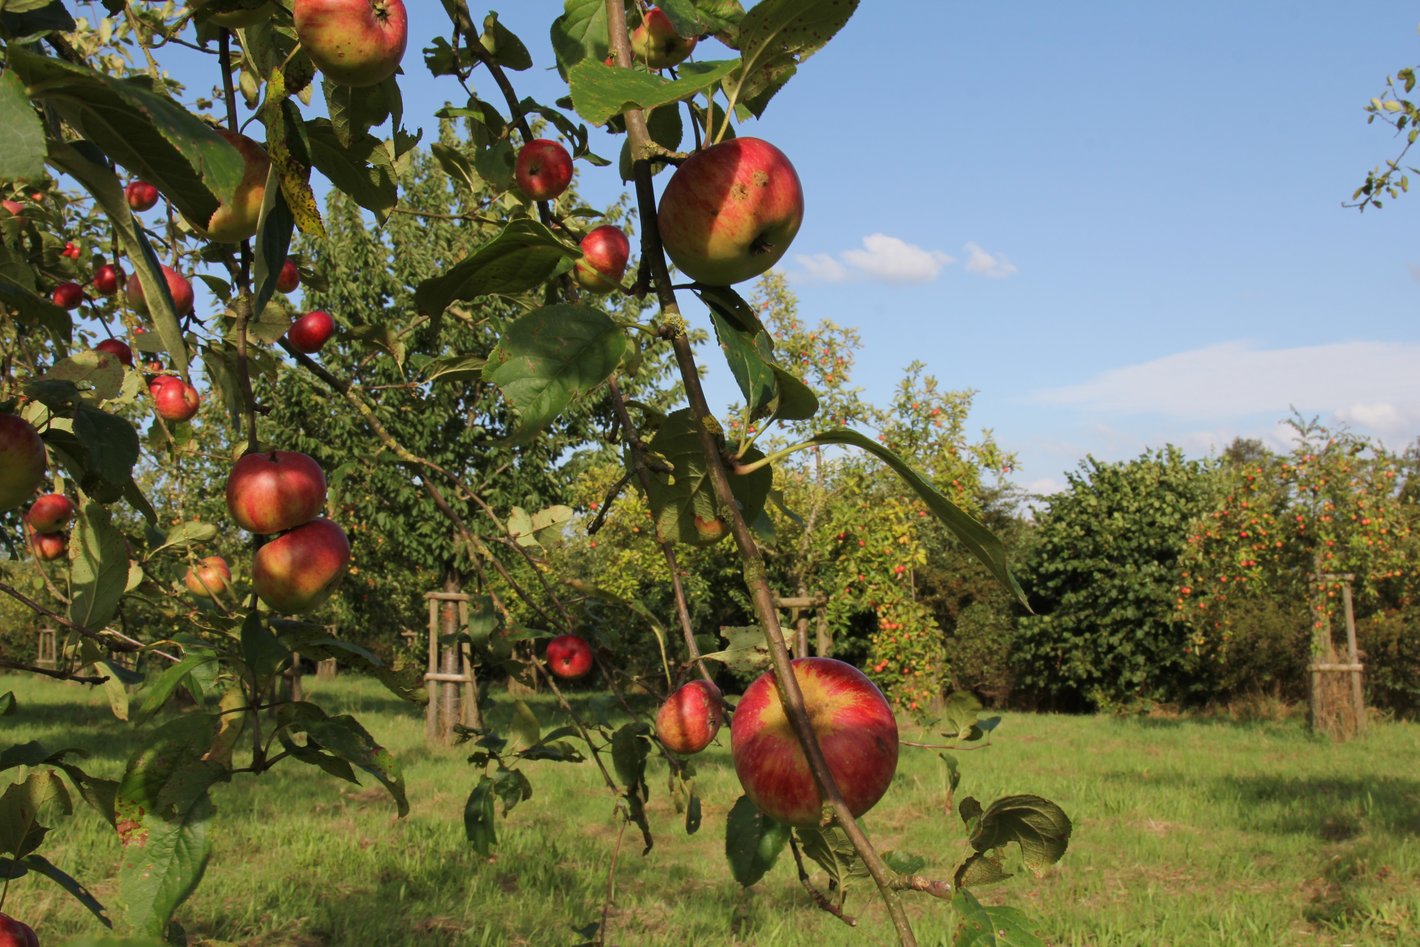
(1187, 832)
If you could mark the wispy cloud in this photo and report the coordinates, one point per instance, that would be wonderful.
(881, 257)
(990, 265)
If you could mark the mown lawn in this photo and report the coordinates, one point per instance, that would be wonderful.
(1186, 832)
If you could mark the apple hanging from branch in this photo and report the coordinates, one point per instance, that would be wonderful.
(178, 286)
(569, 657)
(237, 221)
(50, 513)
(209, 578)
(174, 399)
(690, 717)
(656, 43)
(22, 461)
(352, 42)
(271, 491)
(543, 169)
(311, 331)
(141, 195)
(604, 254)
(299, 569)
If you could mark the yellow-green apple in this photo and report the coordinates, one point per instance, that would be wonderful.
(141, 195)
(569, 657)
(238, 15)
(690, 717)
(289, 277)
(299, 569)
(656, 43)
(543, 169)
(173, 398)
(310, 332)
(15, 933)
(50, 513)
(209, 578)
(47, 546)
(730, 211)
(271, 491)
(237, 221)
(855, 727)
(117, 348)
(68, 295)
(352, 42)
(604, 254)
(178, 286)
(22, 461)
(108, 278)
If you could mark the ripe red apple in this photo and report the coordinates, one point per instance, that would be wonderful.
(173, 398)
(603, 263)
(299, 569)
(543, 169)
(68, 295)
(289, 277)
(275, 490)
(47, 547)
(690, 718)
(15, 933)
(310, 332)
(14, 207)
(178, 286)
(117, 348)
(107, 278)
(352, 42)
(50, 513)
(209, 578)
(141, 195)
(71, 251)
(855, 727)
(569, 657)
(656, 43)
(730, 211)
(22, 461)
(237, 221)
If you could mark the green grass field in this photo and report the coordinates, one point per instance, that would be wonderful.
(1186, 832)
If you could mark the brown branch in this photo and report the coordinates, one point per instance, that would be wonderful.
(932, 886)
(50, 672)
(817, 896)
(611, 884)
(105, 637)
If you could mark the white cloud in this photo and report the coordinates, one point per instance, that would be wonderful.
(885, 258)
(822, 267)
(990, 265)
(1386, 418)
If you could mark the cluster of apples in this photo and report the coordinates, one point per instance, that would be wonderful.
(282, 493)
(46, 523)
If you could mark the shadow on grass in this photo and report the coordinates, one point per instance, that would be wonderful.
(1331, 808)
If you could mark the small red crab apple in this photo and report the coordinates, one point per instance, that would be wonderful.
(68, 295)
(289, 278)
(178, 286)
(107, 279)
(141, 195)
(352, 42)
(50, 513)
(15, 933)
(690, 717)
(855, 727)
(543, 169)
(209, 578)
(603, 263)
(656, 43)
(47, 547)
(117, 348)
(173, 398)
(311, 331)
(569, 657)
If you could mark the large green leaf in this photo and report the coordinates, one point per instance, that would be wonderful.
(753, 841)
(22, 806)
(600, 92)
(22, 145)
(111, 444)
(363, 169)
(344, 739)
(979, 540)
(550, 356)
(983, 926)
(1038, 825)
(775, 36)
(580, 33)
(99, 573)
(524, 255)
(750, 356)
(684, 503)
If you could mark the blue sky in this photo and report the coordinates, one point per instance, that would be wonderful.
(1121, 224)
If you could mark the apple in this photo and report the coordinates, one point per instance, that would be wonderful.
(68, 295)
(108, 278)
(603, 263)
(178, 286)
(730, 211)
(47, 547)
(237, 221)
(22, 461)
(15, 933)
(50, 513)
(289, 277)
(569, 657)
(299, 569)
(210, 578)
(656, 43)
(14, 207)
(543, 169)
(236, 17)
(352, 42)
(141, 195)
(855, 728)
(173, 398)
(310, 332)
(690, 717)
(71, 251)
(117, 348)
(271, 491)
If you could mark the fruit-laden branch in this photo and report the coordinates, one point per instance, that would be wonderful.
(756, 577)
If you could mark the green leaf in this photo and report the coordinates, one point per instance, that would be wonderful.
(629, 746)
(979, 540)
(8, 704)
(991, 927)
(22, 146)
(363, 168)
(506, 49)
(478, 818)
(111, 445)
(157, 691)
(524, 255)
(1038, 825)
(188, 533)
(832, 850)
(551, 356)
(904, 863)
(600, 92)
(751, 360)
(745, 650)
(32, 309)
(114, 689)
(580, 33)
(526, 530)
(344, 738)
(753, 841)
(463, 368)
(273, 242)
(794, 400)
(684, 503)
(99, 572)
(775, 36)
(22, 806)
(262, 651)
(524, 728)
(91, 370)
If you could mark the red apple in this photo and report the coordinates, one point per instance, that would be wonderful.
(15, 933)
(47, 547)
(275, 490)
(68, 295)
(299, 569)
(178, 286)
(71, 251)
(14, 207)
(209, 578)
(289, 277)
(22, 461)
(603, 263)
(730, 211)
(569, 657)
(141, 195)
(690, 718)
(656, 43)
(173, 398)
(855, 727)
(237, 221)
(543, 169)
(117, 348)
(310, 332)
(107, 278)
(352, 42)
(50, 513)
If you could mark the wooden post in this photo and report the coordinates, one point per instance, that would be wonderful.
(472, 717)
(452, 687)
(1358, 694)
(47, 652)
(431, 711)
(799, 606)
